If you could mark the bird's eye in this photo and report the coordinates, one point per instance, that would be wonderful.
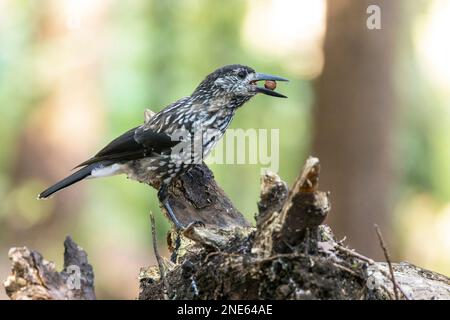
(242, 74)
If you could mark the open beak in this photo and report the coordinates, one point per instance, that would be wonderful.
(267, 77)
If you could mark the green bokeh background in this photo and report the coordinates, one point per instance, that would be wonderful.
(157, 52)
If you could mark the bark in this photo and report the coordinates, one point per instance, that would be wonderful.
(34, 278)
(288, 255)
(197, 197)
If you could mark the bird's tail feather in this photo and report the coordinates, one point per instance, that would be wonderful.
(73, 178)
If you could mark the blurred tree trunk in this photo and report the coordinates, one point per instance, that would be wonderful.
(354, 119)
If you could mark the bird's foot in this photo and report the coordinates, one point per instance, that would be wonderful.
(174, 255)
(195, 224)
(177, 224)
(189, 174)
(163, 196)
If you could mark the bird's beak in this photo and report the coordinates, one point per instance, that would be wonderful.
(267, 77)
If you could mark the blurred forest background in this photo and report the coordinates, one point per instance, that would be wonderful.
(372, 104)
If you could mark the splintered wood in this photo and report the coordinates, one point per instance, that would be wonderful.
(34, 278)
(305, 209)
(284, 220)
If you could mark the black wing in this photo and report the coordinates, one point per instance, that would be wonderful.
(134, 144)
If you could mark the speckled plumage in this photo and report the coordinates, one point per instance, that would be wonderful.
(147, 153)
(207, 112)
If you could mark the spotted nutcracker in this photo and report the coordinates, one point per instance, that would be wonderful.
(165, 146)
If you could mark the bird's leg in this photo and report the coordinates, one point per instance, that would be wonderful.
(174, 255)
(189, 174)
(163, 196)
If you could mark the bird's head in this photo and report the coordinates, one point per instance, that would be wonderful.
(236, 82)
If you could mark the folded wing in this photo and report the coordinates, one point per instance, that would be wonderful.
(132, 145)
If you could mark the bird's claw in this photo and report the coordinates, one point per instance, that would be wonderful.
(195, 224)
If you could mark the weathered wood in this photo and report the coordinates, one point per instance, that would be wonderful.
(274, 192)
(195, 196)
(289, 255)
(278, 260)
(305, 209)
(33, 278)
(323, 272)
(416, 283)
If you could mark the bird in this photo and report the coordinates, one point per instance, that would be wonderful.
(179, 136)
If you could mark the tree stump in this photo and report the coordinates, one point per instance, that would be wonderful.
(290, 254)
